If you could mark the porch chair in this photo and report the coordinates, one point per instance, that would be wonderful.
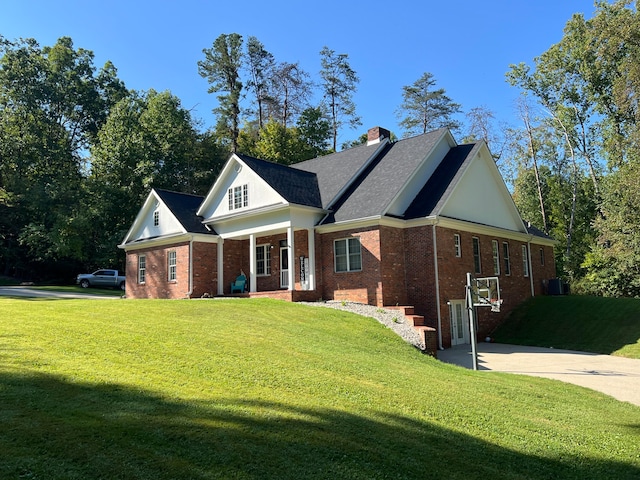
(239, 284)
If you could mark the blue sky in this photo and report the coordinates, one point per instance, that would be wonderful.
(467, 45)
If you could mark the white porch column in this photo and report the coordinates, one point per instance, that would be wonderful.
(220, 266)
(311, 240)
(252, 263)
(291, 258)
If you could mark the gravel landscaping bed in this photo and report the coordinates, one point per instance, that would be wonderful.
(389, 318)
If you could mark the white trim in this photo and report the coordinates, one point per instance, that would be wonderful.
(291, 258)
(169, 240)
(220, 262)
(252, 263)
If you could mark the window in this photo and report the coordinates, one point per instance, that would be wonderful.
(505, 258)
(142, 268)
(496, 257)
(156, 218)
(172, 262)
(263, 260)
(238, 197)
(525, 261)
(348, 257)
(456, 245)
(542, 257)
(476, 255)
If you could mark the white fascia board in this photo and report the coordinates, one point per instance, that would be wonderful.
(223, 173)
(372, 221)
(466, 226)
(169, 240)
(381, 146)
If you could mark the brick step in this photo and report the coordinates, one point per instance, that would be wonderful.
(405, 309)
(415, 320)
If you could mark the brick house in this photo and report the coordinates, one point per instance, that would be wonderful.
(387, 223)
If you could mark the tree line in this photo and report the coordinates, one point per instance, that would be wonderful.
(79, 151)
(575, 161)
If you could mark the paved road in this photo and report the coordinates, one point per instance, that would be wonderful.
(616, 376)
(35, 293)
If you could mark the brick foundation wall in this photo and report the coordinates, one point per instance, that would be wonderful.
(364, 286)
(420, 276)
(515, 288)
(156, 283)
(392, 266)
(205, 269)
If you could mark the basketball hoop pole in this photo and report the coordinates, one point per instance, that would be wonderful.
(472, 325)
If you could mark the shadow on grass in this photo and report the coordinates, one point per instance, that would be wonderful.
(54, 429)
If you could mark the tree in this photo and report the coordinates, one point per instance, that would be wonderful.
(290, 92)
(221, 67)
(52, 104)
(424, 108)
(315, 131)
(149, 141)
(339, 82)
(261, 65)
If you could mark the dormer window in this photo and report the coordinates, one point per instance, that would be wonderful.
(238, 197)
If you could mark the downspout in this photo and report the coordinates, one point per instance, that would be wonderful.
(533, 291)
(435, 265)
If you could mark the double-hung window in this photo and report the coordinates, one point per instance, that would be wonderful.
(542, 256)
(142, 268)
(496, 257)
(477, 266)
(238, 197)
(505, 258)
(347, 255)
(156, 218)
(263, 260)
(456, 245)
(525, 261)
(171, 265)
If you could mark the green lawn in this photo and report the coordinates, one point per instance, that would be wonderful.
(261, 389)
(590, 324)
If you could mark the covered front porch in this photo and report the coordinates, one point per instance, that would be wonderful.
(278, 263)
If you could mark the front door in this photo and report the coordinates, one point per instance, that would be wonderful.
(284, 267)
(459, 323)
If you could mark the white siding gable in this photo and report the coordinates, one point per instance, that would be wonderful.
(481, 196)
(144, 226)
(237, 174)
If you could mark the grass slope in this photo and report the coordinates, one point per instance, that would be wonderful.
(261, 389)
(590, 324)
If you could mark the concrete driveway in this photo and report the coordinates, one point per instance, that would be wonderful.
(615, 376)
(20, 291)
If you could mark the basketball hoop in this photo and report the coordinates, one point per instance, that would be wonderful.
(480, 292)
(485, 292)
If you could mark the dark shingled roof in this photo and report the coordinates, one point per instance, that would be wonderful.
(296, 186)
(536, 232)
(335, 170)
(374, 191)
(441, 183)
(184, 207)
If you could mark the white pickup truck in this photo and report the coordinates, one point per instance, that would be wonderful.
(101, 278)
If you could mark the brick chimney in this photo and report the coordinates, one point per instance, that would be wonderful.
(376, 134)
